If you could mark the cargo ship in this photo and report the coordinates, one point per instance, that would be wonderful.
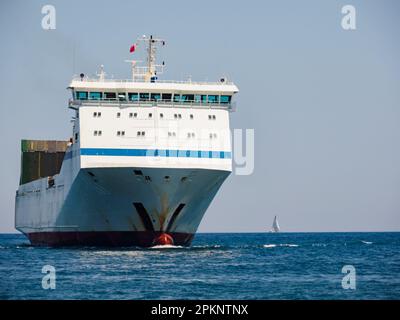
(144, 162)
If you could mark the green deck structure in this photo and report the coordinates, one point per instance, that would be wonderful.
(41, 158)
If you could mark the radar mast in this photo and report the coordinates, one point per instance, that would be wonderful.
(149, 72)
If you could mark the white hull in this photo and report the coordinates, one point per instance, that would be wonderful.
(110, 205)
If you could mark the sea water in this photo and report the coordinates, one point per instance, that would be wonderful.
(216, 266)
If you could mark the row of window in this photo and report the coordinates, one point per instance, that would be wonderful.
(150, 115)
(189, 135)
(143, 133)
(146, 96)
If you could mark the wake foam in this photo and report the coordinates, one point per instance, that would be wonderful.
(366, 242)
(166, 246)
(207, 247)
(280, 245)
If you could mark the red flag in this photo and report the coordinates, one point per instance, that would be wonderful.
(132, 49)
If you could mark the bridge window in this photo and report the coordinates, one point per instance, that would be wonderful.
(177, 97)
(110, 96)
(213, 99)
(200, 98)
(121, 96)
(155, 96)
(167, 96)
(82, 95)
(133, 96)
(187, 97)
(144, 96)
(226, 99)
(95, 95)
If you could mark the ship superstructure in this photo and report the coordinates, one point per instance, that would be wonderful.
(145, 160)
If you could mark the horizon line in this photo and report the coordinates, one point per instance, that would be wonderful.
(268, 232)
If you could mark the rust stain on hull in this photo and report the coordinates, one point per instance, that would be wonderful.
(163, 214)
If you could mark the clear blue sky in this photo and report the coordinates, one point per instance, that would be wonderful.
(324, 102)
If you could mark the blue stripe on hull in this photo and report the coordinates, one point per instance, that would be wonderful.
(152, 153)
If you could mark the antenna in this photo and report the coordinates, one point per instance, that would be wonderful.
(150, 72)
(101, 74)
(73, 56)
(135, 73)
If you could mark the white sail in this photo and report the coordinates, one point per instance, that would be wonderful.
(275, 225)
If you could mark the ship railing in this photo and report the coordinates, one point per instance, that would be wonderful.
(75, 103)
(87, 79)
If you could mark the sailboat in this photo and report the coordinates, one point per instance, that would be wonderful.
(275, 225)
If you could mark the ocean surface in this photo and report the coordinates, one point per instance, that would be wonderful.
(216, 266)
